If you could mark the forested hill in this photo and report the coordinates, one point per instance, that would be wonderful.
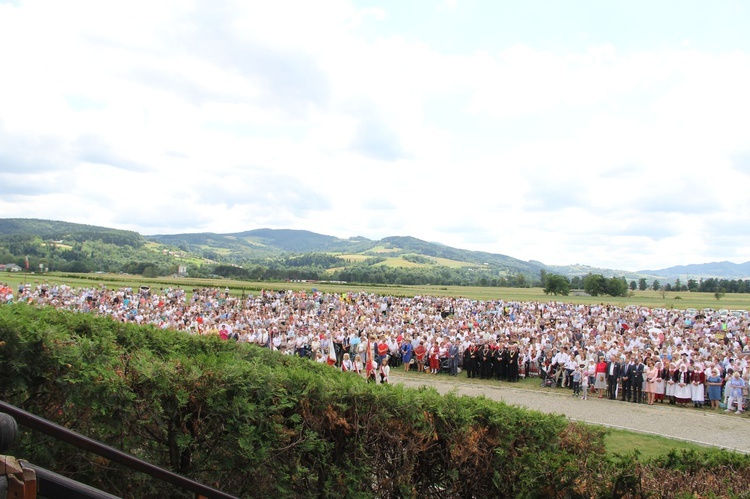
(266, 242)
(417, 246)
(66, 231)
(304, 241)
(261, 242)
(263, 254)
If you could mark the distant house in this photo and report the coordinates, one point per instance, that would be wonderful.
(9, 267)
(181, 271)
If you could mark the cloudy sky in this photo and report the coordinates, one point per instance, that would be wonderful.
(613, 134)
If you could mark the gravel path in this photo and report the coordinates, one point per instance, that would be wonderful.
(702, 426)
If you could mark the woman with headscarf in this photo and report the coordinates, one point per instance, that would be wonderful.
(682, 392)
(669, 382)
(698, 386)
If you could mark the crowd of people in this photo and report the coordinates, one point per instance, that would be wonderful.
(634, 353)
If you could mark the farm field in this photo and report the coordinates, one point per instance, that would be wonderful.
(649, 298)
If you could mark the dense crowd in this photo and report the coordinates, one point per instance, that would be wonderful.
(634, 354)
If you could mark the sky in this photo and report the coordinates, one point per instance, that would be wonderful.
(611, 134)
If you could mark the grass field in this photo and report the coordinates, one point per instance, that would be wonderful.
(651, 299)
(399, 261)
(648, 446)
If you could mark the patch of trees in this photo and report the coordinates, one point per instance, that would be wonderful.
(724, 285)
(422, 260)
(437, 275)
(232, 272)
(320, 260)
(597, 285)
(555, 284)
(709, 285)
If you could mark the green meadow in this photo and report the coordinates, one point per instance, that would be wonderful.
(649, 298)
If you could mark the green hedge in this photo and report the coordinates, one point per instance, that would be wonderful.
(256, 424)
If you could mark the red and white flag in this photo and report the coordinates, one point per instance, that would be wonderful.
(27, 262)
(369, 371)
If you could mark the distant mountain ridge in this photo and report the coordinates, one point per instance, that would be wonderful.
(240, 247)
(725, 270)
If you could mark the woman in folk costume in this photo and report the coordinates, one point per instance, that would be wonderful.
(669, 382)
(698, 386)
(435, 358)
(682, 392)
(532, 362)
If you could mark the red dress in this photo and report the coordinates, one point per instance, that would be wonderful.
(435, 358)
(420, 352)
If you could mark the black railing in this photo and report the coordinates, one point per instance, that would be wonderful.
(61, 433)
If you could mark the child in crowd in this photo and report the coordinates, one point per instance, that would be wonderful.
(385, 371)
(584, 385)
(576, 380)
(372, 371)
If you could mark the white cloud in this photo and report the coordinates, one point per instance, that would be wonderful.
(229, 116)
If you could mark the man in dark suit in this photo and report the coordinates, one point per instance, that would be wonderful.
(627, 372)
(453, 352)
(613, 375)
(637, 380)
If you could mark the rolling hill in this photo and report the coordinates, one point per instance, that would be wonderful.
(720, 270)
(287, 247)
